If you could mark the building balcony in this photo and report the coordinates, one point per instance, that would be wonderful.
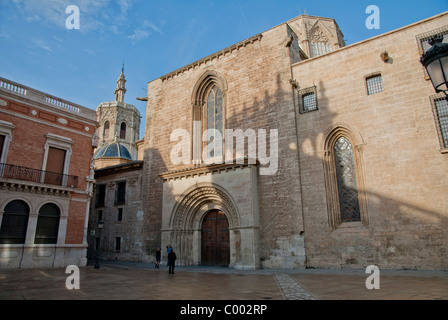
(8, 171)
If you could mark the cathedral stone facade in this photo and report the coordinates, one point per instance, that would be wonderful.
(292, 150)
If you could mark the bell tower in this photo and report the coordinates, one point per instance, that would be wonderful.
(121, 89)
(119, 126)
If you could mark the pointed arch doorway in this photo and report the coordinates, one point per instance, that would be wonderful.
(215, 243)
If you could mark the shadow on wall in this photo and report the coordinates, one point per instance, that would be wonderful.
(300, 223)
(384, 230)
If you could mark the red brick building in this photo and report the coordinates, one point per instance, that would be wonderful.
(46, 177)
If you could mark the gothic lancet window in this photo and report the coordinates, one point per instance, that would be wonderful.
(319, 43)
(214, 120)
(318, 48)
(209, 109)
(346, 180)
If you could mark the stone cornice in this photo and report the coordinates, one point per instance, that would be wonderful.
(120, 168)
(205, 169)
(25, 186)
(215, 55)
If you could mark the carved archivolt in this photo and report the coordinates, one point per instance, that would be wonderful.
(193, 204)
(203, 84)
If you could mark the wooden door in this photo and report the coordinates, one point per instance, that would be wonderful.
(215, 239)
(55, 166)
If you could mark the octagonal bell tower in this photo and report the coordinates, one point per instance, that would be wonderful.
(119, 125)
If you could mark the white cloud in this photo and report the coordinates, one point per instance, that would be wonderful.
(43, 45)
(149, 24)
(144, 31)
(125, 5)
(139, 34)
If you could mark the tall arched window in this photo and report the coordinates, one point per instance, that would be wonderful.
(14, 223)
(106, 130)
(319, 48)
(214, 120)
(344, 182)
(209, 112)
(123, 130)
(346, 179)
(47, 224)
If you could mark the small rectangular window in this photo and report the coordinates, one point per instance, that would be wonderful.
(100, 195)
(374, 84)
(308, 99)
(309, 102)
(423, 39)
(440, 109)
(120, 214)
(120, 192)
(117, 243)
(100, 215)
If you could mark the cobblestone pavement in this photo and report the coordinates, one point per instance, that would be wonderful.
(131, 281)
(292, 289)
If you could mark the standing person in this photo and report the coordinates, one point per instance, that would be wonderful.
(169, 248)
(157, 258)
(172, 259)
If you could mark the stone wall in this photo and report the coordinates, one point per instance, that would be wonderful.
(401, 166)
(127, 227)
(259, 96)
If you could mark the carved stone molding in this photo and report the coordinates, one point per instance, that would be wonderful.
(32, 188)
(216, 55)
(187, 213)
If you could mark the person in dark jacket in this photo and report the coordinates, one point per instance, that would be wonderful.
(169, 248)
(157, 258)
(172, 259)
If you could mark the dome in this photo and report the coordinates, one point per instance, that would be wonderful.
(113, 150)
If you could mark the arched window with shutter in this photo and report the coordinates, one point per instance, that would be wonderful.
(14, 222)
(47, 224)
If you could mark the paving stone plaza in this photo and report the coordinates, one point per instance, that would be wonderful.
(132, 281)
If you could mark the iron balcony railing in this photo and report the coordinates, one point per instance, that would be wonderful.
(8, 171)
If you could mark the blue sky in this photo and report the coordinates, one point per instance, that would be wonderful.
(156, 37)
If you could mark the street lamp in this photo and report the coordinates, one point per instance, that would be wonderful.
(98, 249)
(435, 61)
